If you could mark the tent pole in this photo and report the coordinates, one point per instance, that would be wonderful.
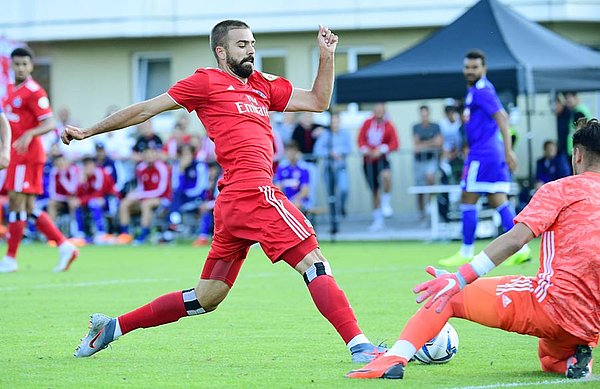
(529, 142)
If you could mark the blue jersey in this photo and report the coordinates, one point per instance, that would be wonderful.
(291, 178)
(481, 129)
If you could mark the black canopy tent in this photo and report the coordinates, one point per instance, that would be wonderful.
(522, 57)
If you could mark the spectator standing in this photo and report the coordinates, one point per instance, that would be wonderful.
(450, 124)
(577, 110)
(147, 139)
(305, 135)
(376, 139)
(428, 141)
(333, 146)
(563, 117)
(284, 124)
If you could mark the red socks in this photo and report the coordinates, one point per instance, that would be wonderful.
(164, 309)
(333, 304)
(47, 227)
(15, 234)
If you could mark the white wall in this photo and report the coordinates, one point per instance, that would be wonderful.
(46, 20)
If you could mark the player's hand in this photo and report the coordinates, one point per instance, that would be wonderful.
(4, 159)
(511, 160)
(72, 133)
(327, 40)
(22, 144)
(439, 290)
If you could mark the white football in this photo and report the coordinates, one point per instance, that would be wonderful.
(440, 349)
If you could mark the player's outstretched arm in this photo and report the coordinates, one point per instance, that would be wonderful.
(129, 116)
(319, 97)
(440, 290)
(5, 138)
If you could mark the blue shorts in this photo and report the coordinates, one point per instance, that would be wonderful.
(485, 176)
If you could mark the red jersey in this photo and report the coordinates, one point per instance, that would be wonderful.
(566, 213)
(63, 183)
(153, 181)
(236, 118)
(26, 105)
(376, 134)
(96, 185)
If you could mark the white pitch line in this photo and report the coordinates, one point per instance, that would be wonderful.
(90, 283)
(563, 381)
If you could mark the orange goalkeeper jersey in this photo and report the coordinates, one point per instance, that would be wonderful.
(566, 213)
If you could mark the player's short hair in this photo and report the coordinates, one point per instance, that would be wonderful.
(587, 136)
(218, 34)
(474, 54)
(22, 52)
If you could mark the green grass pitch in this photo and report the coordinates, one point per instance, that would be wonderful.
(266, 334)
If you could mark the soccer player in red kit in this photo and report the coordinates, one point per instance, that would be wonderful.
(560, 306)
(233, 102)
(28, 110)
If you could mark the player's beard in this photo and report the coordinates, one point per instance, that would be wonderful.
(244, 68)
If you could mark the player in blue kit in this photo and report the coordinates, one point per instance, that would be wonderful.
(488, 161)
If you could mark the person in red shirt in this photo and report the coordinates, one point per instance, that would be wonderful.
(30, 115)
(233, 102)
(93, 189)
(153, 187)
(376, 139)
(560, 306)
(62, 185)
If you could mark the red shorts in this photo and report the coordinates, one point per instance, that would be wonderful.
(509, 303)
(251, 212)
(25, 178)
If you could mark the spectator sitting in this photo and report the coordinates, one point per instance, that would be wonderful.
(190, 179)
(146, 139)
(209, 195)
(551, 166)
(428, 146)
(293, 178)
(95, 186)
(153, 187)
(334, 146)
(62, 184)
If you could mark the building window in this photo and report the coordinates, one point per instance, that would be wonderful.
(350, 59)
(271, 61)
(41, 73)
(151, 75)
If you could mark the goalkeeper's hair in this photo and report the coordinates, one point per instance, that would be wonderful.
(587, 136)
(218, 34)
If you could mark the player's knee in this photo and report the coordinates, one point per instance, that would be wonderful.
(317, 269)
(210, 294)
